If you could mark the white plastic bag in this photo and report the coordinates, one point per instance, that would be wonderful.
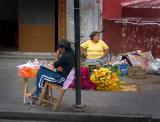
(154, 67)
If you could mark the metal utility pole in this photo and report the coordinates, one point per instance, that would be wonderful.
(77, 50)
(78, 106)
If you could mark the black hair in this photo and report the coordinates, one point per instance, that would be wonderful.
(65, 44)
(93, 34)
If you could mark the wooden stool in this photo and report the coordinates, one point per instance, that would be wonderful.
(27, 93)
(52, 93)
(48, 94)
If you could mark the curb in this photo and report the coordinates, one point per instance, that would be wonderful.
(72, 116)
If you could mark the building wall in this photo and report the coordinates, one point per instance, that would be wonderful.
(112, 9)
(141, 12)
(62, 27)
(112, 34)
(91, 19)
(142, 36)
(129, 34)
(36, 25)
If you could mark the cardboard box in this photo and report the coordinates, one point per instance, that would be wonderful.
(141, 59)
(137, 72)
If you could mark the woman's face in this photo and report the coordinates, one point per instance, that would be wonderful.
(61, 50)
(96, 37)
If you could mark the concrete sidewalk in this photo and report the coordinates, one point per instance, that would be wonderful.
(142, 106)
(29, 55)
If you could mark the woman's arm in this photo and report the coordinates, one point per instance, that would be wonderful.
(106, 52)
(83, 52)
(84, 46)
(105, 48)
(60, 62)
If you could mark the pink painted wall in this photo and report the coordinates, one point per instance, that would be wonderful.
(127, 37)
(111, 8)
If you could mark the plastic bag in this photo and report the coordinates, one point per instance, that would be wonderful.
(154, 67)
(28, 72)
(123, 68)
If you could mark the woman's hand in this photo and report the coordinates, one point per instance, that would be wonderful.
(105, 53)
(60, 69)
(84, 53)
(57, 55)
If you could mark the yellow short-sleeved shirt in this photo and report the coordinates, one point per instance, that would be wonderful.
(94, 50)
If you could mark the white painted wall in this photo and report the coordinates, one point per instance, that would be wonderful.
(91, 19)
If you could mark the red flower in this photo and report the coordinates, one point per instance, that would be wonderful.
(85, 81)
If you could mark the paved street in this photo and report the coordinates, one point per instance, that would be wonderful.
(144, 103)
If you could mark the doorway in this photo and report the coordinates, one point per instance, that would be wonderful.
(8, 25)
(37, 28)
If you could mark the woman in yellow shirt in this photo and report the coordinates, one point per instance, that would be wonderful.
(95, 49)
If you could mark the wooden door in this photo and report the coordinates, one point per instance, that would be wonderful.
(36, 25)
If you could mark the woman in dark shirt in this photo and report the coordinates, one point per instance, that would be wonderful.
(63, 66)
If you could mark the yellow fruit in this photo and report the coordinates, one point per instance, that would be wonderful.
(92, 77)
(95, 70)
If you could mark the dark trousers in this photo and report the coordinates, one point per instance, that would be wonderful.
(45, 74)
